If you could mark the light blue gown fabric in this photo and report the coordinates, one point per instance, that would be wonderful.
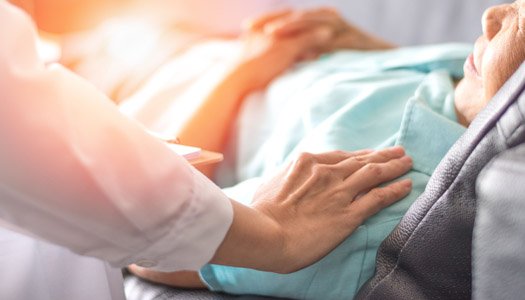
(348, 101)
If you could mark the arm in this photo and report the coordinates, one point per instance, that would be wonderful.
(77, 173)
(262, 59)
(271, 45)
(296, 225)
(183, 279)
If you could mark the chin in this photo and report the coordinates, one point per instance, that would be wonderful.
(469, 100)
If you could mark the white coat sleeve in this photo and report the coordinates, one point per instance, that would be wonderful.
(76, 172)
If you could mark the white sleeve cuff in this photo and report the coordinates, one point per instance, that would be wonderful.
(193, 241)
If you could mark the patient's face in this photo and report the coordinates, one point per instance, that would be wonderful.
(497, 55)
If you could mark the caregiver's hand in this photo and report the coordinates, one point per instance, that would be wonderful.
(311, 207)
(286, 24)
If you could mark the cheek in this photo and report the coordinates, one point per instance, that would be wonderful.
(499, 64)
(495, 72)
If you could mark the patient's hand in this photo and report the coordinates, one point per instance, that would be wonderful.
(264, 56)
(184, 279)
(275, 42)
(286, 24)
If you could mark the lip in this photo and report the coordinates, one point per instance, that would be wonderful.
(470, 66)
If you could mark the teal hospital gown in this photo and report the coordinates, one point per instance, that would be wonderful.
(350, 101)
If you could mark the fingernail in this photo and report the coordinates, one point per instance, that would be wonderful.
(407, 159)
(407, 183)
(397, 150)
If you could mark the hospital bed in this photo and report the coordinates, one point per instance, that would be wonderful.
(464, 236)
(430, 254)
(435, 224)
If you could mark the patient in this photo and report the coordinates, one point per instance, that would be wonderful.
(421, 98)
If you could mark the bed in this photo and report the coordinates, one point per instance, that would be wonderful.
(399, 21)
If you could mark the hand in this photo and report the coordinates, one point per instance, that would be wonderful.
(321, 199)
(304, 212)
(288, 23)
(264, 56)
(311, 207)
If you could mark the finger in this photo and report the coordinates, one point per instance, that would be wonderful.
(378, 199)
(285, 28)
(383, 155)
(259, 23)
(310, 56)
(351, 165)
(368, 155)
(335, 157)
(300, 23)
(316, 40)
(374, 174)
(303, 166)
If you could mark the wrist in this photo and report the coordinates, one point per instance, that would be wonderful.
(241, 75)
(255, 240)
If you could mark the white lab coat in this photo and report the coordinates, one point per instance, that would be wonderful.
(78, 174)
(34, 269)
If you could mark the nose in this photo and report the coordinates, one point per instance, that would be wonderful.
(492, 20)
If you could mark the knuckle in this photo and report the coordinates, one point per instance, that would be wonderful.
(356, 218)
(374, 170)
(340, 153)
(360, 160)
(322, 171)
(382, 156)
(306, 159)
(379, 196)
(399, 191)
(315, 177)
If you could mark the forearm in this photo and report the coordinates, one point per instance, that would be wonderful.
(209, 127)
(253, 241)
(294, 219)
(183, 279)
